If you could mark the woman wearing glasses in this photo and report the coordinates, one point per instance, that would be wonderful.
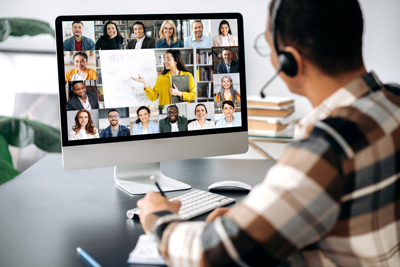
(84, 127)
(168, 37)
(143, 124)
(173, 65)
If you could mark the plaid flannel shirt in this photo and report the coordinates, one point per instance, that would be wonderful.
(332, 199)
(122, 131)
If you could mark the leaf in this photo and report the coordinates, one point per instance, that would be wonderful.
(21, 27)
(7, 171)
(23, 132)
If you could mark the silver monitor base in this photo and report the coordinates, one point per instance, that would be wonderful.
(135, 179)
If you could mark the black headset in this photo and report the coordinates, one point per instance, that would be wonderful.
(287, 63)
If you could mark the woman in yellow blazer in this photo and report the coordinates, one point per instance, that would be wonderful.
(81, 72)
(173, 65)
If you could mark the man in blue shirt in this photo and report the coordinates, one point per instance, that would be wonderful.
(114, 129)
(228, 108)
(198, 39)
(78, 42)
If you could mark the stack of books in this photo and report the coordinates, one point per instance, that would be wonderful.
(269, 114)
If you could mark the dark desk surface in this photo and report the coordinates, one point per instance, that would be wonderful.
(47, 212)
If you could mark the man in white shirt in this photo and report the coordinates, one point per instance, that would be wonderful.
(173, 122)
(141, 41)
(197, 39)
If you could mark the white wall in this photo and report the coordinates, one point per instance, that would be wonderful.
(29, 73)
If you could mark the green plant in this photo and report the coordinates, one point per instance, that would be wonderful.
(21, 27)
(23, 132)
(20, 132)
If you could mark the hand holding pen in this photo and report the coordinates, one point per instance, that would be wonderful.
(154, 202)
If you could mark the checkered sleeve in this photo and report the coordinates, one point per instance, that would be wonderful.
(296, 205)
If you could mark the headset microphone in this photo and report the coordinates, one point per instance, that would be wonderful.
(268, 83)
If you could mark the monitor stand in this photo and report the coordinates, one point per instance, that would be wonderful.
(135, 179)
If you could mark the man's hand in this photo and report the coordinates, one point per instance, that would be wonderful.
(216, 213)
(153, 202)
(175, 91)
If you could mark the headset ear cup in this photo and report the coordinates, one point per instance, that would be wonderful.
(288, 64)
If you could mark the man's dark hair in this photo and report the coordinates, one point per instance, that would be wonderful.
(111, 110)
(139, 23)
(76, 82)
(172, 106)
(77, 22)
(327, 33)
(226, 49)
(80, 54)
(228, 102)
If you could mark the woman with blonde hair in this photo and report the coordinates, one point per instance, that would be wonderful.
(83, 128)
(168, 37)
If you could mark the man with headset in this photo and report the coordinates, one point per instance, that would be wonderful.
(332, 199)
(141, 41)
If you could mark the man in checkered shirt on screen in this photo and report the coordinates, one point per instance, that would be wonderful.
(333, 197)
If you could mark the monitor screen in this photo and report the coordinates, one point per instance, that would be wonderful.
(131, 79)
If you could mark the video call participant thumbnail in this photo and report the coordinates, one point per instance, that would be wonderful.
(78, 42)
(81, 72)
(201, 123)
(111, 39)
(197, 39)
(143, 124)
(114, 129)
(227, 91)
(84, 127)
(228, 65)
(142, 41)
(173, 122)
(168, 37)
(173, 65)
(225, 37)
(81, 99)
(228, 108)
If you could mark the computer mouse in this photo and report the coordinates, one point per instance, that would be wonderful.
(229, 186)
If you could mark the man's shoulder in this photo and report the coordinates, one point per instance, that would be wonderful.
(123, 127)
(68, 40)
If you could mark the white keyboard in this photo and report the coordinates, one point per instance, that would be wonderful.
(195, 202)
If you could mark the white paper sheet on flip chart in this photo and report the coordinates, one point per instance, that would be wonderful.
(117, 67)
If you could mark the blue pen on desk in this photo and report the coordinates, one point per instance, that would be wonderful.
(153, 178)
(87, 257)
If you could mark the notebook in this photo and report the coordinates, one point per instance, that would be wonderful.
(146, 252)
(182, 83)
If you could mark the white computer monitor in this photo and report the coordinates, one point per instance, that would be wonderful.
(110, 116)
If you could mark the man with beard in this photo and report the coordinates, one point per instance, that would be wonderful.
(80, 98)
(78, 42)
(114, 129)
(173, 123)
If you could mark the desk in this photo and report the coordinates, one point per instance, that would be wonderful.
(46, 212)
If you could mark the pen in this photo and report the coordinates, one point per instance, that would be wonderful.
(87, 257)
(153, 178)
